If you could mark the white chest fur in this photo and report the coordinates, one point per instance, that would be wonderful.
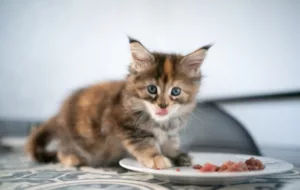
(162, 136)
(164, 130)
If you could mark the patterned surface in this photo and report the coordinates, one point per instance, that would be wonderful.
(17, 172)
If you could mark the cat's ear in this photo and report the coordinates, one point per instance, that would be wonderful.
(191, 63)
(141, 58)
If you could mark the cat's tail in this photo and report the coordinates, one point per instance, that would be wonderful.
(39, 139)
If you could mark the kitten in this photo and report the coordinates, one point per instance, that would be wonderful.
(141, 115)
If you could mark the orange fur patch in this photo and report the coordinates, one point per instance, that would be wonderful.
(168, 67)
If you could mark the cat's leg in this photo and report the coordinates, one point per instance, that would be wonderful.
(171, 149)
(144, 147)
(68, 157)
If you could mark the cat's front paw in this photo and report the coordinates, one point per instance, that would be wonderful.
(182, 159)
(157, 162)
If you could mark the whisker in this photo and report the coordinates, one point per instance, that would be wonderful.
(212, 116)
(193, 116)
(197, 118)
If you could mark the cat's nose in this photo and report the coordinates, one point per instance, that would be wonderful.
(163, 105)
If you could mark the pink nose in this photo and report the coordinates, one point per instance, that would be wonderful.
(162, 111)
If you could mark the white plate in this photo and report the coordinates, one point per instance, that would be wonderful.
(188, 175)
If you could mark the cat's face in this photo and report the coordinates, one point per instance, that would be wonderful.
(165, 85)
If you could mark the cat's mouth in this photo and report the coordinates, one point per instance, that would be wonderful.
(162, 112)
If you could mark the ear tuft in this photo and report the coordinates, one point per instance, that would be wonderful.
(132, 40)
(207, 47)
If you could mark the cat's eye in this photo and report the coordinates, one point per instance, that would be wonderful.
(152, 89)
(175, 91)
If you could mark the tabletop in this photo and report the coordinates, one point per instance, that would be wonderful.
(18, 172)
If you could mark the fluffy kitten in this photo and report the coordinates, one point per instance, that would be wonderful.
(141, 115)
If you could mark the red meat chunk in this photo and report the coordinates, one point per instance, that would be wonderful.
(251, 164)
(254, 164)
(197, 167)
(208, 167)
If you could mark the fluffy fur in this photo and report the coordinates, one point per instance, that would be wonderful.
(100, 124)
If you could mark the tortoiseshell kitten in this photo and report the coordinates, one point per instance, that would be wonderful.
(141, 115)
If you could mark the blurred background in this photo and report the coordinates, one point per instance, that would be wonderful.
(49, 48)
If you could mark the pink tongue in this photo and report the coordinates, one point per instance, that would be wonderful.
(162, 112)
